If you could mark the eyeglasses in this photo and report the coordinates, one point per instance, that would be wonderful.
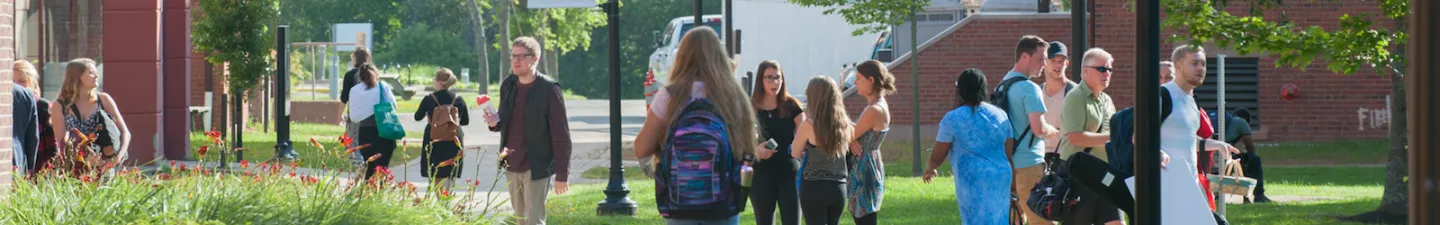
(520, 56)
(772, 77)
(1102, 69)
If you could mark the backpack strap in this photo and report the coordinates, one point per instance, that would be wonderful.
(1097, 130)
(1068, 87)
(1167, 105)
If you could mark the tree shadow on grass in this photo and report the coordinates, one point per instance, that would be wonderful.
(1313, 212)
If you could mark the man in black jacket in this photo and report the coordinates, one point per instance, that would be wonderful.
(534, 133)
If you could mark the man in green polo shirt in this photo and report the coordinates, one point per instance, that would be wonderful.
(1085, 127)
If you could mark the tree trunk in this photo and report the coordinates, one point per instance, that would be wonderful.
(552, 58)
(505, 11)
(1395, 201)
(481, 44)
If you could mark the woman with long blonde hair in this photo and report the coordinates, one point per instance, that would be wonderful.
(824, 138)
(91, 112)
(702, 70)
(25, 75)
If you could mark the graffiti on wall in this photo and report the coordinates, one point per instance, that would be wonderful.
(1374, 118)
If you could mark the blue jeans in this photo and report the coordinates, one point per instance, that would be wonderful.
(733, 220)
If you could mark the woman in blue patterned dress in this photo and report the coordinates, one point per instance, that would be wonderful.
(867, 173)
(973, 137)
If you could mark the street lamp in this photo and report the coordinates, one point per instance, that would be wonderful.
(617, 200)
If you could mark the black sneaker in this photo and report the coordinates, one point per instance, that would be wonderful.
(1263, 199)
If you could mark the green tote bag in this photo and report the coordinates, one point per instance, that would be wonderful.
(385, 119)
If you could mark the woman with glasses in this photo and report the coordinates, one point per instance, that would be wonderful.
(778, 114)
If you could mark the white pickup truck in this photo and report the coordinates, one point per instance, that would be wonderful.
(665, 45)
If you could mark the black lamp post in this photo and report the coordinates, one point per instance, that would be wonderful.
(283, 148)
(617, 200)
(1147, 112)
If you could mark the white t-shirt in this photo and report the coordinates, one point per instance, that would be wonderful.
(363, 100)
(1052, 116)
(662, 98)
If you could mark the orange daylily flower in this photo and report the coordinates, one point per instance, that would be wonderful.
(356, 148)
(203, 149)
(316, 143)
(374, 157)
(446, 163)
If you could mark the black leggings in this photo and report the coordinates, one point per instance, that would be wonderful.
(822, 201)
(775, 187)
(378, 145)
(867, 219)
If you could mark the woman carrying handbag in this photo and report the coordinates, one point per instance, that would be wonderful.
(91, 112)
(373, 107)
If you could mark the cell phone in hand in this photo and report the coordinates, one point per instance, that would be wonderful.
(771, 144)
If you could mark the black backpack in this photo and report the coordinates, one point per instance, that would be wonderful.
(1000, 98)
(1119, 150)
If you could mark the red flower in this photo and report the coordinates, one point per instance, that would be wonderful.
(85, 178)
(244, 164)
(309, 179)
(214, 136)
(172, 163)
(203, 149)
(445, 193)
(293, 164)
(346, 141)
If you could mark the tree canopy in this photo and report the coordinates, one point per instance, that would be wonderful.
(238, 32)
(873, 15)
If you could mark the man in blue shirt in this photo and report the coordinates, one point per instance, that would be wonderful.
(1027, 109)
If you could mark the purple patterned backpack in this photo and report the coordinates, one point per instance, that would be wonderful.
(697, 175)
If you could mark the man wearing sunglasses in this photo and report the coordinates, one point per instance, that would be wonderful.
(1085, 128)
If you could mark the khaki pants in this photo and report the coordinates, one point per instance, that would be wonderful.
(1025, 179)
(528, 197)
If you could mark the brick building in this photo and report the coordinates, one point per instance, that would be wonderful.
(1330, 106)
(7, 58)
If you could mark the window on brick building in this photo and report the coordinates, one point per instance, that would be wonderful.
(51, 33)
(1242, 87)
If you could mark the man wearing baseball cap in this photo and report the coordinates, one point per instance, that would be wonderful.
(1056, 86)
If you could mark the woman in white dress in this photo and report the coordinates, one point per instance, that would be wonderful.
(1182, 201)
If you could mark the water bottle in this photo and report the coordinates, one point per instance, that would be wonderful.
(747, 175)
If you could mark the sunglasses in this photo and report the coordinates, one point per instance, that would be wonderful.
(1102, 69)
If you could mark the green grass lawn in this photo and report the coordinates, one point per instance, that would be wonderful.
(908, 200)
(1325, 153)
(261, 146)
(1290, 153)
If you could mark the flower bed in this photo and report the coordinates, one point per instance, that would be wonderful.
(250, 194)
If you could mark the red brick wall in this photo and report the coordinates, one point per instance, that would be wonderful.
(1328, 107)
(1328, 103)
(7, 56)
(986, 43)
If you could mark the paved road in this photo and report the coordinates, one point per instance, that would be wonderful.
(589, 129)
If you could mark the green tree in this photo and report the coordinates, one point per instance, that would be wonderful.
(238, 32)
(1358, 42)
(422, 44)
(874, 15)
(311, 20)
